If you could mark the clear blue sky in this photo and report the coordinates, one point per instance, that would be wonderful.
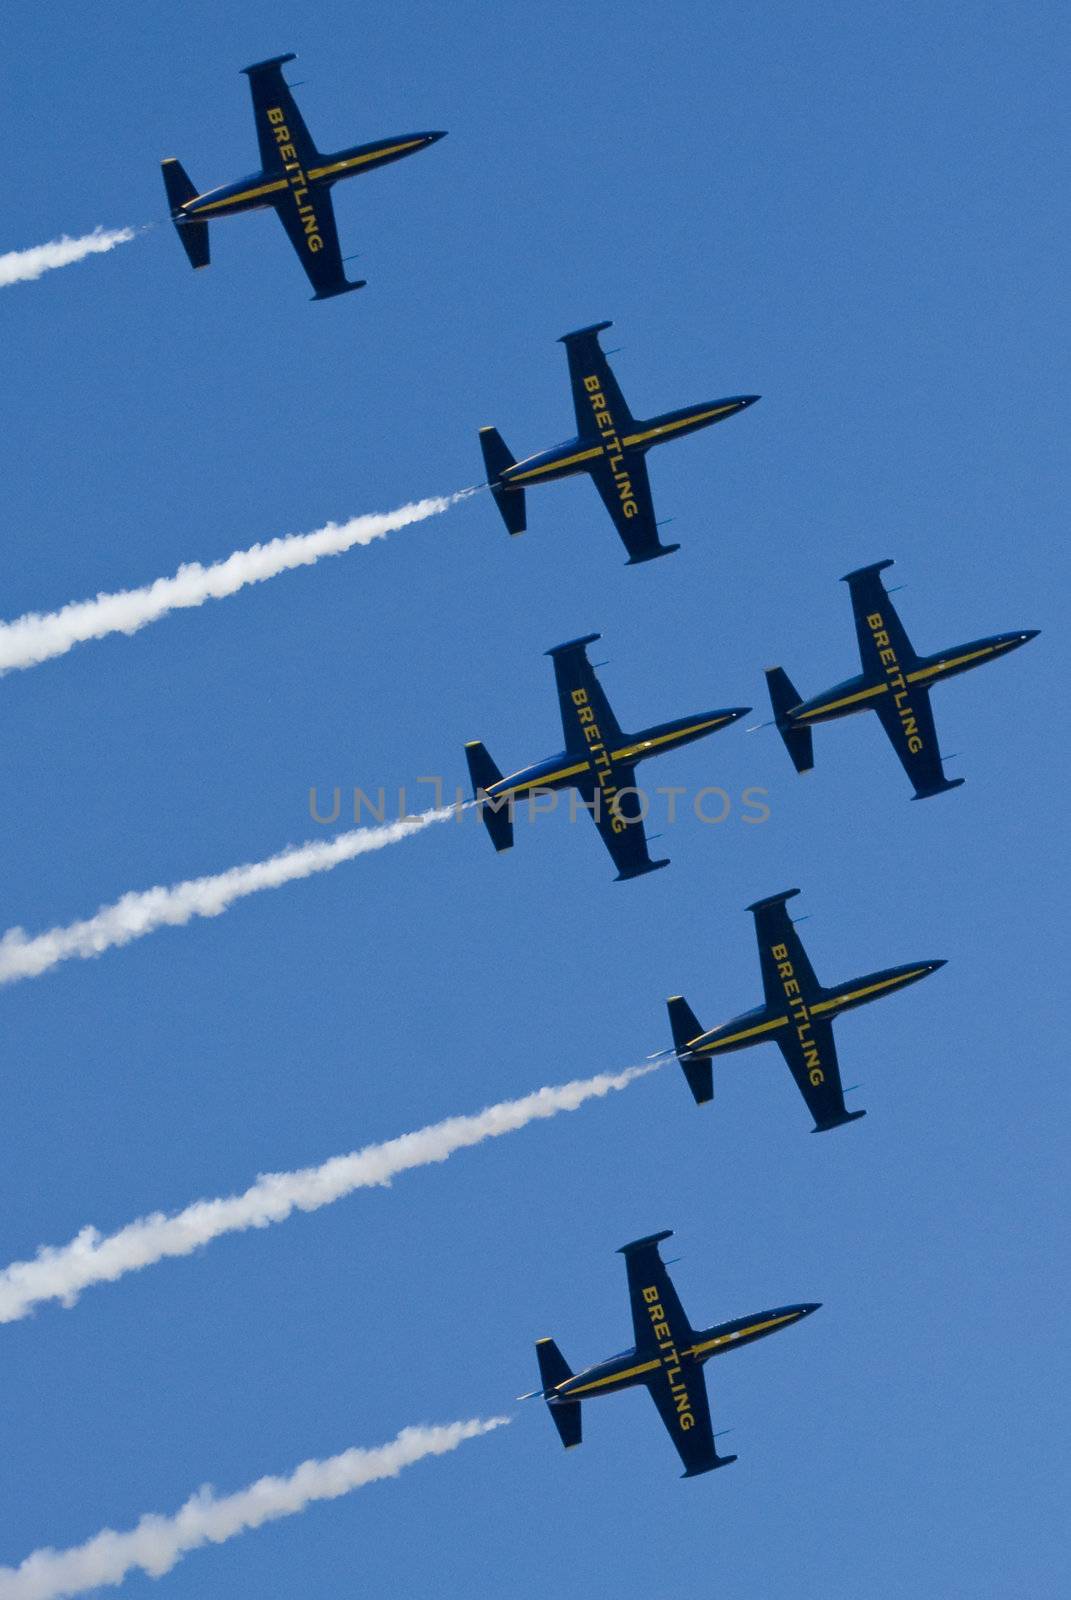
(850, 210)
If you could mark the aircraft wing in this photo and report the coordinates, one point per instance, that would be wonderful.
(626, 843)
(687, 1418)
(911, 723)
(874, 613)
(309, 219)
(581, 698)
(649, 1285)
(632, 513)
(817, 1073)
(775, 932)
(663, 1331)
(279, 122)
(589, 374)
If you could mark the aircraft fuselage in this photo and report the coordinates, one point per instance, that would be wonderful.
(899, 679)
(788, 1022)
(600, 760)
(268, 189)
(624, 1370)
(618, 444)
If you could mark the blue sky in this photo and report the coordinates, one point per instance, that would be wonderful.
(851, 211)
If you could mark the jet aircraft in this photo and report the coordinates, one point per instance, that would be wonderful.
(599, 761)
(295, 180)
(610, 446)
(894, 682)
(798, 1016)
(667, 1360)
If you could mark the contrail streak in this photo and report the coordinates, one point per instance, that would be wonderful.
(62, 1274)
(39, 636)
(158, 1543)
(143, 911)
(21, 266)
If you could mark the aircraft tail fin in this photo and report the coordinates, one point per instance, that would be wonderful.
(193, 234)
(784, 697)
(698, 1070)
(565, 1414)
(497, 814)
(496, 460)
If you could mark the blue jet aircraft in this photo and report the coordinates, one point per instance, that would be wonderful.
(667, 1360)
(610, 446)
(798, 1016)
(295, 180)
(599, 761)
(894, 682)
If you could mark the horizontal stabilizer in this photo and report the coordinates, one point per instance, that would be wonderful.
(698, 1070)
(554, 1370)
(192, 235)
(784, 698)
(497, 814)
(565, 1415)
(497, 460)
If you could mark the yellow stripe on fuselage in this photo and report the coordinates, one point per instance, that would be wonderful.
(945, 666)
(741, 1333)
(362, 160)
(665, 738)
(681, 422)
(235, 199)
(848, 700)
(748, 1033)
(872, 988)
(614, 1377)
(912, 677)
(554, 466)
(540, 782)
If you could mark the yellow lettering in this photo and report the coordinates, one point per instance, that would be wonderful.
(580, 697)
(779, 952)
(591, 384)
(275, 114)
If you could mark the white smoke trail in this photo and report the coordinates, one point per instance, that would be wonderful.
(22, 266)
(158, 1543)
(143, 911)
(39, 636)
(62, 1274)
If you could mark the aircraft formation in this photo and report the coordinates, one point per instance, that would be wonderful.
(599, 760)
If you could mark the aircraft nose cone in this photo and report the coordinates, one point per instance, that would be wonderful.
(749, 399)
(935, 966)
(433, 138)
(815, 1305)
(1028, 634)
